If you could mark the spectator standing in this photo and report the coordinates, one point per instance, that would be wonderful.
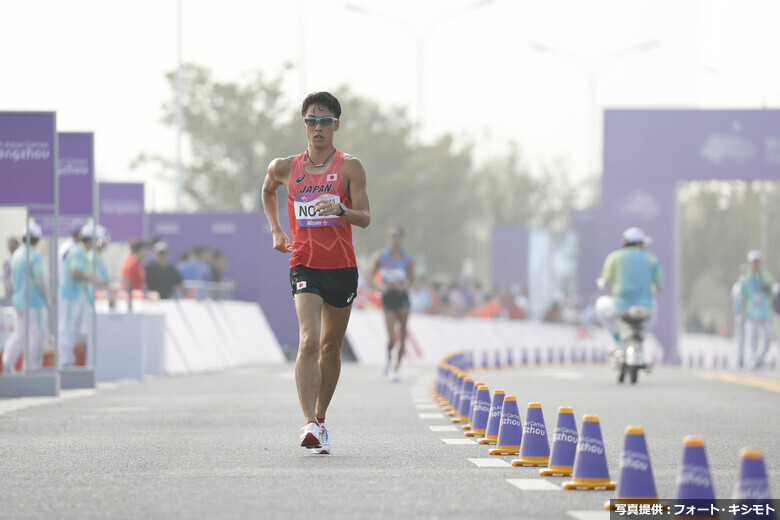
(26, 264)
(756, 295)
(161, 276)
(132, 271)
(8, 283)
(71, 242)
(73, 294)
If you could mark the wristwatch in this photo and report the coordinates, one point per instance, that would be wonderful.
(343, 210)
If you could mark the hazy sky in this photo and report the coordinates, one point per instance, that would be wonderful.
(100, 64)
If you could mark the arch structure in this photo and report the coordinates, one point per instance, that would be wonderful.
(647, 154)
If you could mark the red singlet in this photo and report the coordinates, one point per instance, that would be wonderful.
(318, 242)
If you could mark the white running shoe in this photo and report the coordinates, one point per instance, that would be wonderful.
(325, 447)
(395, 377)
(310, 438)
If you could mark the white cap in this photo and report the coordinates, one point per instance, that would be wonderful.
(88, 231)
(33, 229)
(634, 235)
(754, 255)
(160, 247)
(101, 233)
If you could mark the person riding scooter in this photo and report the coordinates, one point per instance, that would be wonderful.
(634, 275)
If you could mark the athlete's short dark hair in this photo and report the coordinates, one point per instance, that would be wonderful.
(323, 99)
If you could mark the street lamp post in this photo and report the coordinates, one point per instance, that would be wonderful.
(419, 35)
(179, 111)
(593, 73)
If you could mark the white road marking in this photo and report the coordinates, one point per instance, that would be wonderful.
(490, 463)
(458, 441)
(429, 415)
(528, 484)
(427, 406)
(444, 428)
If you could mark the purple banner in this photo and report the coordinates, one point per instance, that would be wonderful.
(121, 209)
(510, 257)
(76, 172)
(45, 219)
(585, 225)
(648, 152)
(244, 240)
(76, 176)
(27, 153)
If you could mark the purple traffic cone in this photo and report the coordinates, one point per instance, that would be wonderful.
(481, 412)
(693, 479)
(449, 382)
(467, 426)
(510, 430)
(447, 403)
(752, 483)
(494, 419)
(590, 461)
(564, 445)
(465, 401)
(635, 482)
(456, 394)
(535, 449)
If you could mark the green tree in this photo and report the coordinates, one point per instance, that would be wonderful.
(446, 204)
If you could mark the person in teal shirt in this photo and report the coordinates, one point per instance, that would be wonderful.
(73, 295)
(26, 264)
(756, 297)
(634, 275)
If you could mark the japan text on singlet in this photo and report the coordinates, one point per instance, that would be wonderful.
(318, 242)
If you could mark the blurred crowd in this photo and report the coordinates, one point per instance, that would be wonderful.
(468, 297)
(83, 277)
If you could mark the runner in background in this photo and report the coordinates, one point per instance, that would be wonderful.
(394, 272)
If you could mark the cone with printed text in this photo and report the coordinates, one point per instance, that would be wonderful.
(481, 412)
(535, 450)
(467, 426)
(693, 478)
(510, 429)
(446, 401)
(635, 482)
(590, 461)
(494, 419)
(456, 388)
(564, 446)
(752, 482)
(465, 399)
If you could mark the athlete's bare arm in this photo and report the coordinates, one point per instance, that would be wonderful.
(375, 269)
(355, 178)
(278, 175)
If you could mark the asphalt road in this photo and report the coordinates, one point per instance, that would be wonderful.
(225, 445)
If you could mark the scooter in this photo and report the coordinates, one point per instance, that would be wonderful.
(629, 357)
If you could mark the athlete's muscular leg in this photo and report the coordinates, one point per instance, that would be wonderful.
(307, 373)
(334, 326)
(390, 319)
(403, 317)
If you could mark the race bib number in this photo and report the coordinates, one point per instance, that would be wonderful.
(392, 275)
(307, 216)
